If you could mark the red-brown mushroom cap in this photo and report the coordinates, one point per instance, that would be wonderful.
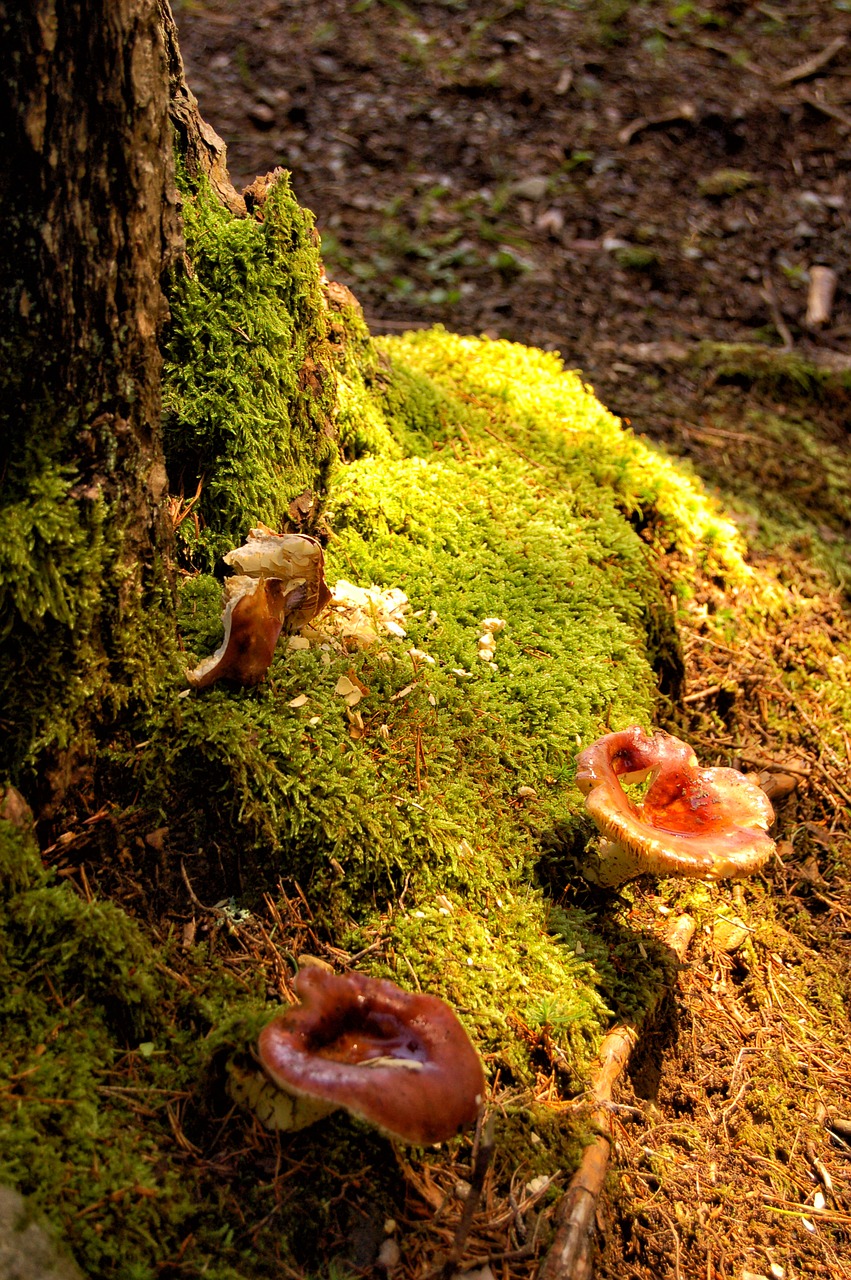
(706, 823)
(400, 1060)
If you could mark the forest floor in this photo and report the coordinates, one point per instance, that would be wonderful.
(621, 182)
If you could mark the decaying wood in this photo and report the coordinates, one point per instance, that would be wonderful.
(571, 1256)
(820, 296)
(204, 151)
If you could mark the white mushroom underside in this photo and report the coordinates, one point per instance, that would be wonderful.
(277, 555)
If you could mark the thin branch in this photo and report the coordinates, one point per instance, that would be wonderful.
(571, 1256)
(481, 1164)
(813, 64)
(780, 324)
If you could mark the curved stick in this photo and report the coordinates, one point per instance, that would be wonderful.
(571, 1254)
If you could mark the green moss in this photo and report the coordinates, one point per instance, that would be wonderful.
(484, 481)
(249, 393)
(725, 182)
(83, 635)
(636, 257)
(773, 368)
(500, 968)
(468, 532)
(75, 977)
(791, 477)
(493, 500)
(540, 409)
(782, 451)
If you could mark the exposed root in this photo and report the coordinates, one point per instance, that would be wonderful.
(484, 1152)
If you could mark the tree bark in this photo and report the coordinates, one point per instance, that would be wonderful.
(200, 146)
(89, 220)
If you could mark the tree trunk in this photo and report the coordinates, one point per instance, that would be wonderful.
(93, 98)
(90, 219)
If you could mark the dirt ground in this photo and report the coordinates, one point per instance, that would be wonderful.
(590, 176)
(570, 175)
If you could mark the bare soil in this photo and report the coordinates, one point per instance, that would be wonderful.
(570, 175)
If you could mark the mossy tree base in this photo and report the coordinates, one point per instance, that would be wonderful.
(434, 838)
(484, 481)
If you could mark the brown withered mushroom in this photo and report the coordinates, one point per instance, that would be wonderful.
(280, 586)
(710, 824)
(399, 1060)
(253, 617)
(295, 558)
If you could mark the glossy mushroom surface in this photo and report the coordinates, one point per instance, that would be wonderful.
(253, 617)
(709, 824)
(402, 1061)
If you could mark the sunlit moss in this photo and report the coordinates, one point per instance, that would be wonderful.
(483, 480)
(249, 395)
(549, 411)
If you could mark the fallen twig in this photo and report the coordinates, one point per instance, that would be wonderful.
(738, 57)
(571, 1253)
(215, 911)
(686, 111)
(826, 108)
(813, 64)
(700, 694)
(180, 508)
(474, 1195)
(780, 324)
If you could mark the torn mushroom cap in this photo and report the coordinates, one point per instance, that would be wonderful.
(295, 558)
(253, 616)
(399, 1060)
(707, 823)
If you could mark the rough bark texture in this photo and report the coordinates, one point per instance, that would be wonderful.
(89, 218)
(203, 151)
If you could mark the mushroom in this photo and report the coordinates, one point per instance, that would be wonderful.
(707, 823)
(280, 585)
(253, 617)
(399, 1060)
(295, 558)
